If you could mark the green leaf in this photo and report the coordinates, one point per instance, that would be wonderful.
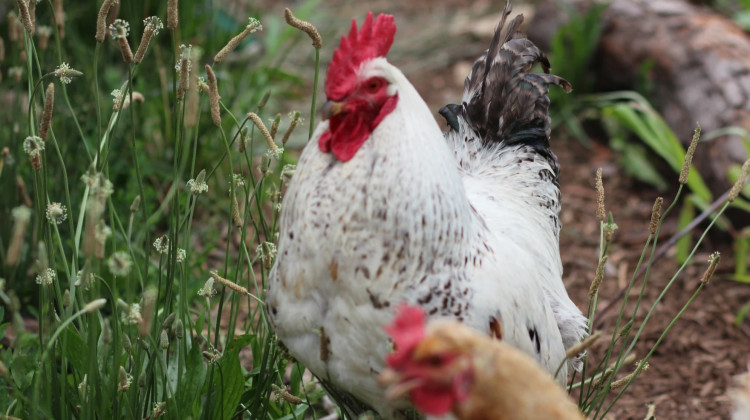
(192, 382)
(297, 413)
(2, 326)
(741, 314)
(257, 349)
(741, 204)
(741, 251)
(743, 19)
(637, 164)
(75, 349)
(228, 381)
(722, 222)
(295, 381)
(22, 370)
(733, 173)
(200, 322)
(573, 45)
(636, 114)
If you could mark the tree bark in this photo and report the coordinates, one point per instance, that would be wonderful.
(698, 67)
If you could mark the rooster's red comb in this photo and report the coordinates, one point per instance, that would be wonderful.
(372, 41)
(406, 331)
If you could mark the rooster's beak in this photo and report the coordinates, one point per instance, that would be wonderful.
(398, 385)
(331, 108)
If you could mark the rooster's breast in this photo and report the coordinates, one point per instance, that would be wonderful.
(356, 240)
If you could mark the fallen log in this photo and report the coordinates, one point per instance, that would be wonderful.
(697, 63)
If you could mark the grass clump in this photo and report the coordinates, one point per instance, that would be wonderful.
(136, 235)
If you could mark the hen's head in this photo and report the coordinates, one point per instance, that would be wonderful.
(432, 365)
(358, 86)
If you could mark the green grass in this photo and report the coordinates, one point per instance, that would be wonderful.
(607, 373)
(139, 229)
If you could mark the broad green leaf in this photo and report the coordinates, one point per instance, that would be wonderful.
(741, 314)
(2, 326)
(257, 349)
(741, 252)
(192, 381)
(733, 173)
(22, 370)
(637, 164)
(228, 380)
(75, 349)
(635, 113)
(722, 222)
(200, 322)
(297, 413)
(295, 381)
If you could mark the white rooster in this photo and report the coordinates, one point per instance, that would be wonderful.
(382, 210)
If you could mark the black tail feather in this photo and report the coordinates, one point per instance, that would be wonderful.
(451, 112)
(502, 101)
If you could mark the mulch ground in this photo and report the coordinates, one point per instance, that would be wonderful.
(693, 367)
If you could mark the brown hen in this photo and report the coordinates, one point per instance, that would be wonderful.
(448, 367)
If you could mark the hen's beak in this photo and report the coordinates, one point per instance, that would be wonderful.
(331, 108)
(397, 384)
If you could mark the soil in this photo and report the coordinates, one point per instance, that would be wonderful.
(692, 368)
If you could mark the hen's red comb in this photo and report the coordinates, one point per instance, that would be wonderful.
(406, 331)
(372, 41)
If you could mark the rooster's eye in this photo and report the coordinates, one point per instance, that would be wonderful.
(373, 85)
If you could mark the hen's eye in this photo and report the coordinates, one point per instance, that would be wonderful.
(434, 360)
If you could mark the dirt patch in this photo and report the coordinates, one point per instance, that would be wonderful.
(693, 366)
